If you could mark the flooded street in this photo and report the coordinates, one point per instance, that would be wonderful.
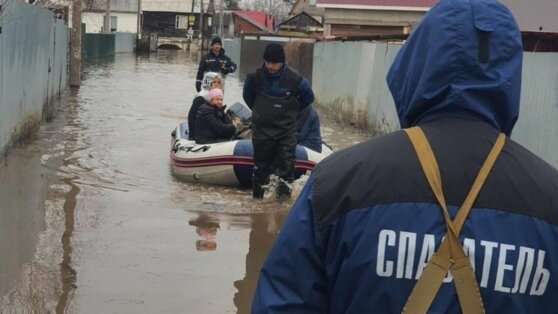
(93, 221)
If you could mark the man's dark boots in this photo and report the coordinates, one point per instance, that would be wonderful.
(257, 188)
(260, 179)
(283, 190)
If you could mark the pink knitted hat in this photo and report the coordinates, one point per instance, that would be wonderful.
(214, 93)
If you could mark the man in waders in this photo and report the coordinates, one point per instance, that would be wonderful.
(448, 215)
(275, 93)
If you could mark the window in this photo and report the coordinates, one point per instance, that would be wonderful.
(181, 22)
(113, 20)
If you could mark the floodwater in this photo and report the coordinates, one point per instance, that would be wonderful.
(93, 221)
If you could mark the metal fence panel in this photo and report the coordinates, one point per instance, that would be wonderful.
(28, 58)
(97, 45)
(124, 42)
(349, 81)
(537, 127)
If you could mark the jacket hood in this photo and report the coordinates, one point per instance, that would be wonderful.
(463, 60)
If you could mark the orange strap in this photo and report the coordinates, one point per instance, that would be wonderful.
(450, 254)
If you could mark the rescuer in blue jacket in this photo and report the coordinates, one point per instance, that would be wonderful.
(367, 222)
(215, 61)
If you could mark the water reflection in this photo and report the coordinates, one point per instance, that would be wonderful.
(264, 228)
(42, 194)
(206, 227)
(21, 209)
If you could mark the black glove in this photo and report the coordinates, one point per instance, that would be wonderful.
(224, 68)
(198, 86)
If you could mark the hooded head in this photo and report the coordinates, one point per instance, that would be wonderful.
(463, 60)
(208, 78)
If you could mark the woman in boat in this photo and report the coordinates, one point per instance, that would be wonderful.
(211, 81)
(213, 124)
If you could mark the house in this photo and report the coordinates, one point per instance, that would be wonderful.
(309, 7)
(175, 18)
(372, 17)
(253, 22)
(535, 15)
(123, 15)
(302, 24)
(538, 23)
(228, 24)
(60, 8)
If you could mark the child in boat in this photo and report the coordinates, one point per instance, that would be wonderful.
(211, 81)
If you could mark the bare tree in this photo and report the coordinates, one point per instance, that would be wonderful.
(279, 9)
(231, 5)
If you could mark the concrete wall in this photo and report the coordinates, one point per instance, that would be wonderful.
(125, 22)
(353, 89)
(33, 66)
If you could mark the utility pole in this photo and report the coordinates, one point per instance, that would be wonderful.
(75, 45)
(107, 18)
(138, 35)
(201, 25)
(221, 20)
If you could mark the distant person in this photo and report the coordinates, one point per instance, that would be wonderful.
(308, 129)
(371, 216)
(212, 123)
(211, 81)
(276, 94)
(215, 61)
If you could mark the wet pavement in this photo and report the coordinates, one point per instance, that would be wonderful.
(93, 221)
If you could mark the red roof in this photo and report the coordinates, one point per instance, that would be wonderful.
(389, 3)
(260, 19)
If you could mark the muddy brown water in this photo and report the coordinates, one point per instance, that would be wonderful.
(93, 221)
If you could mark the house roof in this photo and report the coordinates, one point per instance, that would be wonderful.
(408, 5)
(533, 15)
(285, 22)
(261, 20)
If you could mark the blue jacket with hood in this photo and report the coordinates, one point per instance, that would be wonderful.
(308, 129)
(366, 223)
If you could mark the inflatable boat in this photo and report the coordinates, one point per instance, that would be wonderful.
(227, 163)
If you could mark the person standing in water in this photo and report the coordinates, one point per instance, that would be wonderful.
(276, 93)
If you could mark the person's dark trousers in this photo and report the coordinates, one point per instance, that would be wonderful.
(274, 154)
(285, 165)
(264, 155)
